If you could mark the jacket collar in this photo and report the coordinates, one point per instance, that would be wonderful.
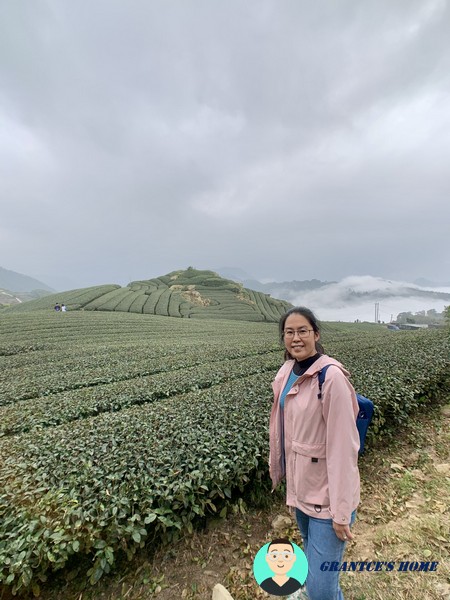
(319, 364)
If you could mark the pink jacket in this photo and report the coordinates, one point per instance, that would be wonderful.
(321, 441)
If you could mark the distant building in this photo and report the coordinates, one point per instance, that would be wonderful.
(412, 326)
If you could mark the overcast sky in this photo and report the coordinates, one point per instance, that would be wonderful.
(293, 139)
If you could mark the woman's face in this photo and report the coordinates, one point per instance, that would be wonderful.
(299, 347)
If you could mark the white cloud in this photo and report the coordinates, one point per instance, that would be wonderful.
(289, 138)
(355, 298)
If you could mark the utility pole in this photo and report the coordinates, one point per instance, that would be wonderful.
(377, 311)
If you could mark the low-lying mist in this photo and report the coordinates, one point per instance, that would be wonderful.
(355, 298)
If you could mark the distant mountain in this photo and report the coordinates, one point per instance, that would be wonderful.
(427, 283)
(10, 280)
(277, 289)
(10, 298)
(351, 290)
(287, 290)
(188, 294)
(234, 273)
(6, 297)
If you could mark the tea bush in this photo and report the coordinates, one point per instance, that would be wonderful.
(218, 298)
(119, 428)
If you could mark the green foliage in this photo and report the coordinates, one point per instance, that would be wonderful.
(117, 428)
(73, 299)
(187, 294)
(430, 317)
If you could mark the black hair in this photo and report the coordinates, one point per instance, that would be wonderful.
(280, 541)
(312, 320)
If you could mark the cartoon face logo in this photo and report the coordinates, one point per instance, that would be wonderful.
(280, 557)
(280, 567)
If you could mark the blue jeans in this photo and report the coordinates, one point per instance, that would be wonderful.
(320, 544)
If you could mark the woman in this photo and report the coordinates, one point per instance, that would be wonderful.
(314, 443)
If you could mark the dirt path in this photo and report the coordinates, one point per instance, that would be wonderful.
(403, 517)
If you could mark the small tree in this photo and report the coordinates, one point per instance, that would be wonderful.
(404, 316)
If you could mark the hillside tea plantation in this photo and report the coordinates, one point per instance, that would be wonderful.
(117, 428)
(190, 294)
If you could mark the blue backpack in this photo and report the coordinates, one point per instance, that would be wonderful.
(365, 410)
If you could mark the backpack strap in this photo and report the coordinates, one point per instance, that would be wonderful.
(365, 413)
(321, 379)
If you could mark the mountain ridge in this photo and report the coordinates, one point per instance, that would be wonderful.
(13, 282)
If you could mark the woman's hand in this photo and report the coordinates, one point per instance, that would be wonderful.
(343, 532)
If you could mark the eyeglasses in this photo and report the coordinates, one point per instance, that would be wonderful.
(302, 333)
(287, 556)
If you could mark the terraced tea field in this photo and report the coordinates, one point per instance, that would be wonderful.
(189, 293)
(119, 428)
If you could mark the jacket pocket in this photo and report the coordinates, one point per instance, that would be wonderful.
(310, 473)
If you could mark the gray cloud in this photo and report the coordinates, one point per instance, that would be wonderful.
(292, 139)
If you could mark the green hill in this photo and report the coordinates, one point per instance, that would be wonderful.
(8, 298)
(189, 294)
(10, 280)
